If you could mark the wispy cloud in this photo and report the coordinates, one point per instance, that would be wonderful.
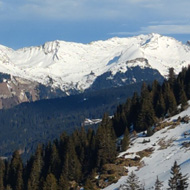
(92, 18)
(93, 9)
(161, 29)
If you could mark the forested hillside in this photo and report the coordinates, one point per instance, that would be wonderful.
(28, 124)
(77, 159)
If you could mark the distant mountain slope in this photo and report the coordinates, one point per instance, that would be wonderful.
(26, 125)
(168, 145)
(75, 67)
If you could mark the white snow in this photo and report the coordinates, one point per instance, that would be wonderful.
(70, 65)
(161, 160)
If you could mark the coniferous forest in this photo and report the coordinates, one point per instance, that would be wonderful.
(73, 161)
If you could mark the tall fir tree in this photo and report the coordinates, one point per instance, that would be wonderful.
(55, 162)
(182, 97)
(89, 185)
(187, 82)
(2, 174)
(146, 117)
(132, 183)
(126, 140)
(36, 170)
(16, 172)
(135, 109)
(158, 184)
(171, 77)
(50, 183)
(63, 183)
(160, 108)
(177, 181)
(71, 167)
(170, 101)
(105, 142)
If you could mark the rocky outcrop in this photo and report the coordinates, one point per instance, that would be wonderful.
(16, 90)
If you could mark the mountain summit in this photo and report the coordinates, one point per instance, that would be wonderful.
(75, 66)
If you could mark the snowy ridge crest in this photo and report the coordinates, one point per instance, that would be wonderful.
(69, 64)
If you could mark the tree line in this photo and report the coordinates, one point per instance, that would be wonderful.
(62, 164)
(73, 160)
(155, 102)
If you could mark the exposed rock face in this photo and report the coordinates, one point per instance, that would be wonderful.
(16, 90)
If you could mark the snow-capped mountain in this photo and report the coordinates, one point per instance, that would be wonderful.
(75, 66)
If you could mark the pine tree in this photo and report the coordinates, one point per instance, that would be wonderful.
(160, 108)
(171, 77)
(158, 184)
(72, 166)
(63, 183)
(187, 83)
(105, 142)
(36, 170)
(89, 161)
(177, 181)
(132, 183)
(182, 97)
(146, 117)
(89, 185)
(50, 183)
(2, 173)
(135, 109)
(170, 101)
(16, 172)
(126, 140)
(55, 162)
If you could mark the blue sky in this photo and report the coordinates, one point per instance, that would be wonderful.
(33, 22)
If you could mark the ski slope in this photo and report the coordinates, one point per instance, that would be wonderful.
(161, 160)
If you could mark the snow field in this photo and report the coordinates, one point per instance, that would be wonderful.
(159, 163)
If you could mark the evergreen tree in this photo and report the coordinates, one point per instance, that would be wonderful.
(89, 185)
(170, 101)
(146, 117)
(177, 181)
(182, 97)
(132, 183)
(90, 153)
(187, 82)
(105, 142)
(72, 166)
(55, 162)
(36, 170)
(2, 173)
(63, 183)
(155, 91)
(16, 172)
(171, 77)
(135, 109)
(160, 108)
(50, 183)
(158, 184)
(126, 140)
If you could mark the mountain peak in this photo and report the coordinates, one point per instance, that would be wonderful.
(69, 64)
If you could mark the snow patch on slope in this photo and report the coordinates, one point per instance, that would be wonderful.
(161, 160)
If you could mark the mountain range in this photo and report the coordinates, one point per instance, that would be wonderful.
(60, 68)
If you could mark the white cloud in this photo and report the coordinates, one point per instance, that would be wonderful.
(167, 29)
(161, 29)
(129, 10)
